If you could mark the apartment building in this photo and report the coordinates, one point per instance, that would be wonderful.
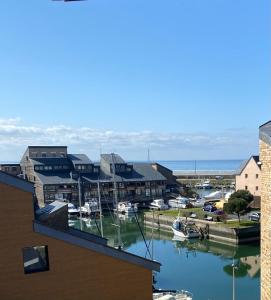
(58, 175)
(249, 177)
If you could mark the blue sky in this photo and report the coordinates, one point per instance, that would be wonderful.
(188, 78)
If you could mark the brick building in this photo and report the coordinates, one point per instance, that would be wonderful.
(265, 159)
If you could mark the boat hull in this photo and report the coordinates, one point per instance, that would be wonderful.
(181, 234)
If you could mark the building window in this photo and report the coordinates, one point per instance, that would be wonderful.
(246, 187)
(246, 175)
(43, 154)
(35, 259)
(257, 188)
(257, 176)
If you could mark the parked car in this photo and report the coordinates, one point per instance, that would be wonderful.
(255, 216)
(209, 208)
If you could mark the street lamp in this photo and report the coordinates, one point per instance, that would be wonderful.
(234, 267)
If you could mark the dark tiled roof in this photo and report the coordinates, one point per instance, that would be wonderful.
(140, 172)
(51, 208)
(79, 159)
(245, 162)
(112, 158)
(265, 132)
(55, 177)
(16, 182)
(46, 161)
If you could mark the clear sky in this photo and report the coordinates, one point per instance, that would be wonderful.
(190, 79)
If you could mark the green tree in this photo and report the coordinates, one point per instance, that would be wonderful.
(235, 205)
(242, 194)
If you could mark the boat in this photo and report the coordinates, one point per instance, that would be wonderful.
(88, 222)
(179, 202)
(72, 210)
(217, 195)
(185, 229)
(126, 208)
(197, 202)
(171, 295)
(90, 208)
(158, 204)
(228, 194)
(206, 184)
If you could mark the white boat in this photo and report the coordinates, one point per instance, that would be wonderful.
(184, 229)
(126, 208)
(197, 202)
(217, 195)
(72, 210)
(172, 295)
(179, 202)
(228, 194)
(203, 185)
(90, 208)
(158, 204)
(206, 184)
(88, 222)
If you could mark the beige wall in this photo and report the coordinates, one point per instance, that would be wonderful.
(75, 272)
(265, 158)
(251, 181)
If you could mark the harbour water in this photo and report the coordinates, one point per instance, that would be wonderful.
(202, 267)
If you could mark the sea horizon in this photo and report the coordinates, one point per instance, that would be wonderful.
(187, 165)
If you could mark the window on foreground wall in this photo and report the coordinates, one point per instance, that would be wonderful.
(35, 259)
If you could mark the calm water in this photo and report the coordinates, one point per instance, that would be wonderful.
(202, 165)
(201, 267)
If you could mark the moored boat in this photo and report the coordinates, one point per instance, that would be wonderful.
(72, 210)
(217, 195)
(90, 208)
(179, 202)
(126, 208)
(171, 295)
(158, 204)
(185, 229)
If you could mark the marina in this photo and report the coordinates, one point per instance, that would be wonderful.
(185, 263)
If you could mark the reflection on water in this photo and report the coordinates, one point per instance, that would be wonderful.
(201, 267)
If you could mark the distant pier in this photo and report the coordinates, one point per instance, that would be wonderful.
(210, 174)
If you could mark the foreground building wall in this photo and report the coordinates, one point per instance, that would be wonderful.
(265, 159)
(74, 272)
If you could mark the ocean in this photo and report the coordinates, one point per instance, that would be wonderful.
(202, 165)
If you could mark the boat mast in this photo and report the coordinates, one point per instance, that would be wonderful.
(80, 203)
(100, 207)
(116, 198)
